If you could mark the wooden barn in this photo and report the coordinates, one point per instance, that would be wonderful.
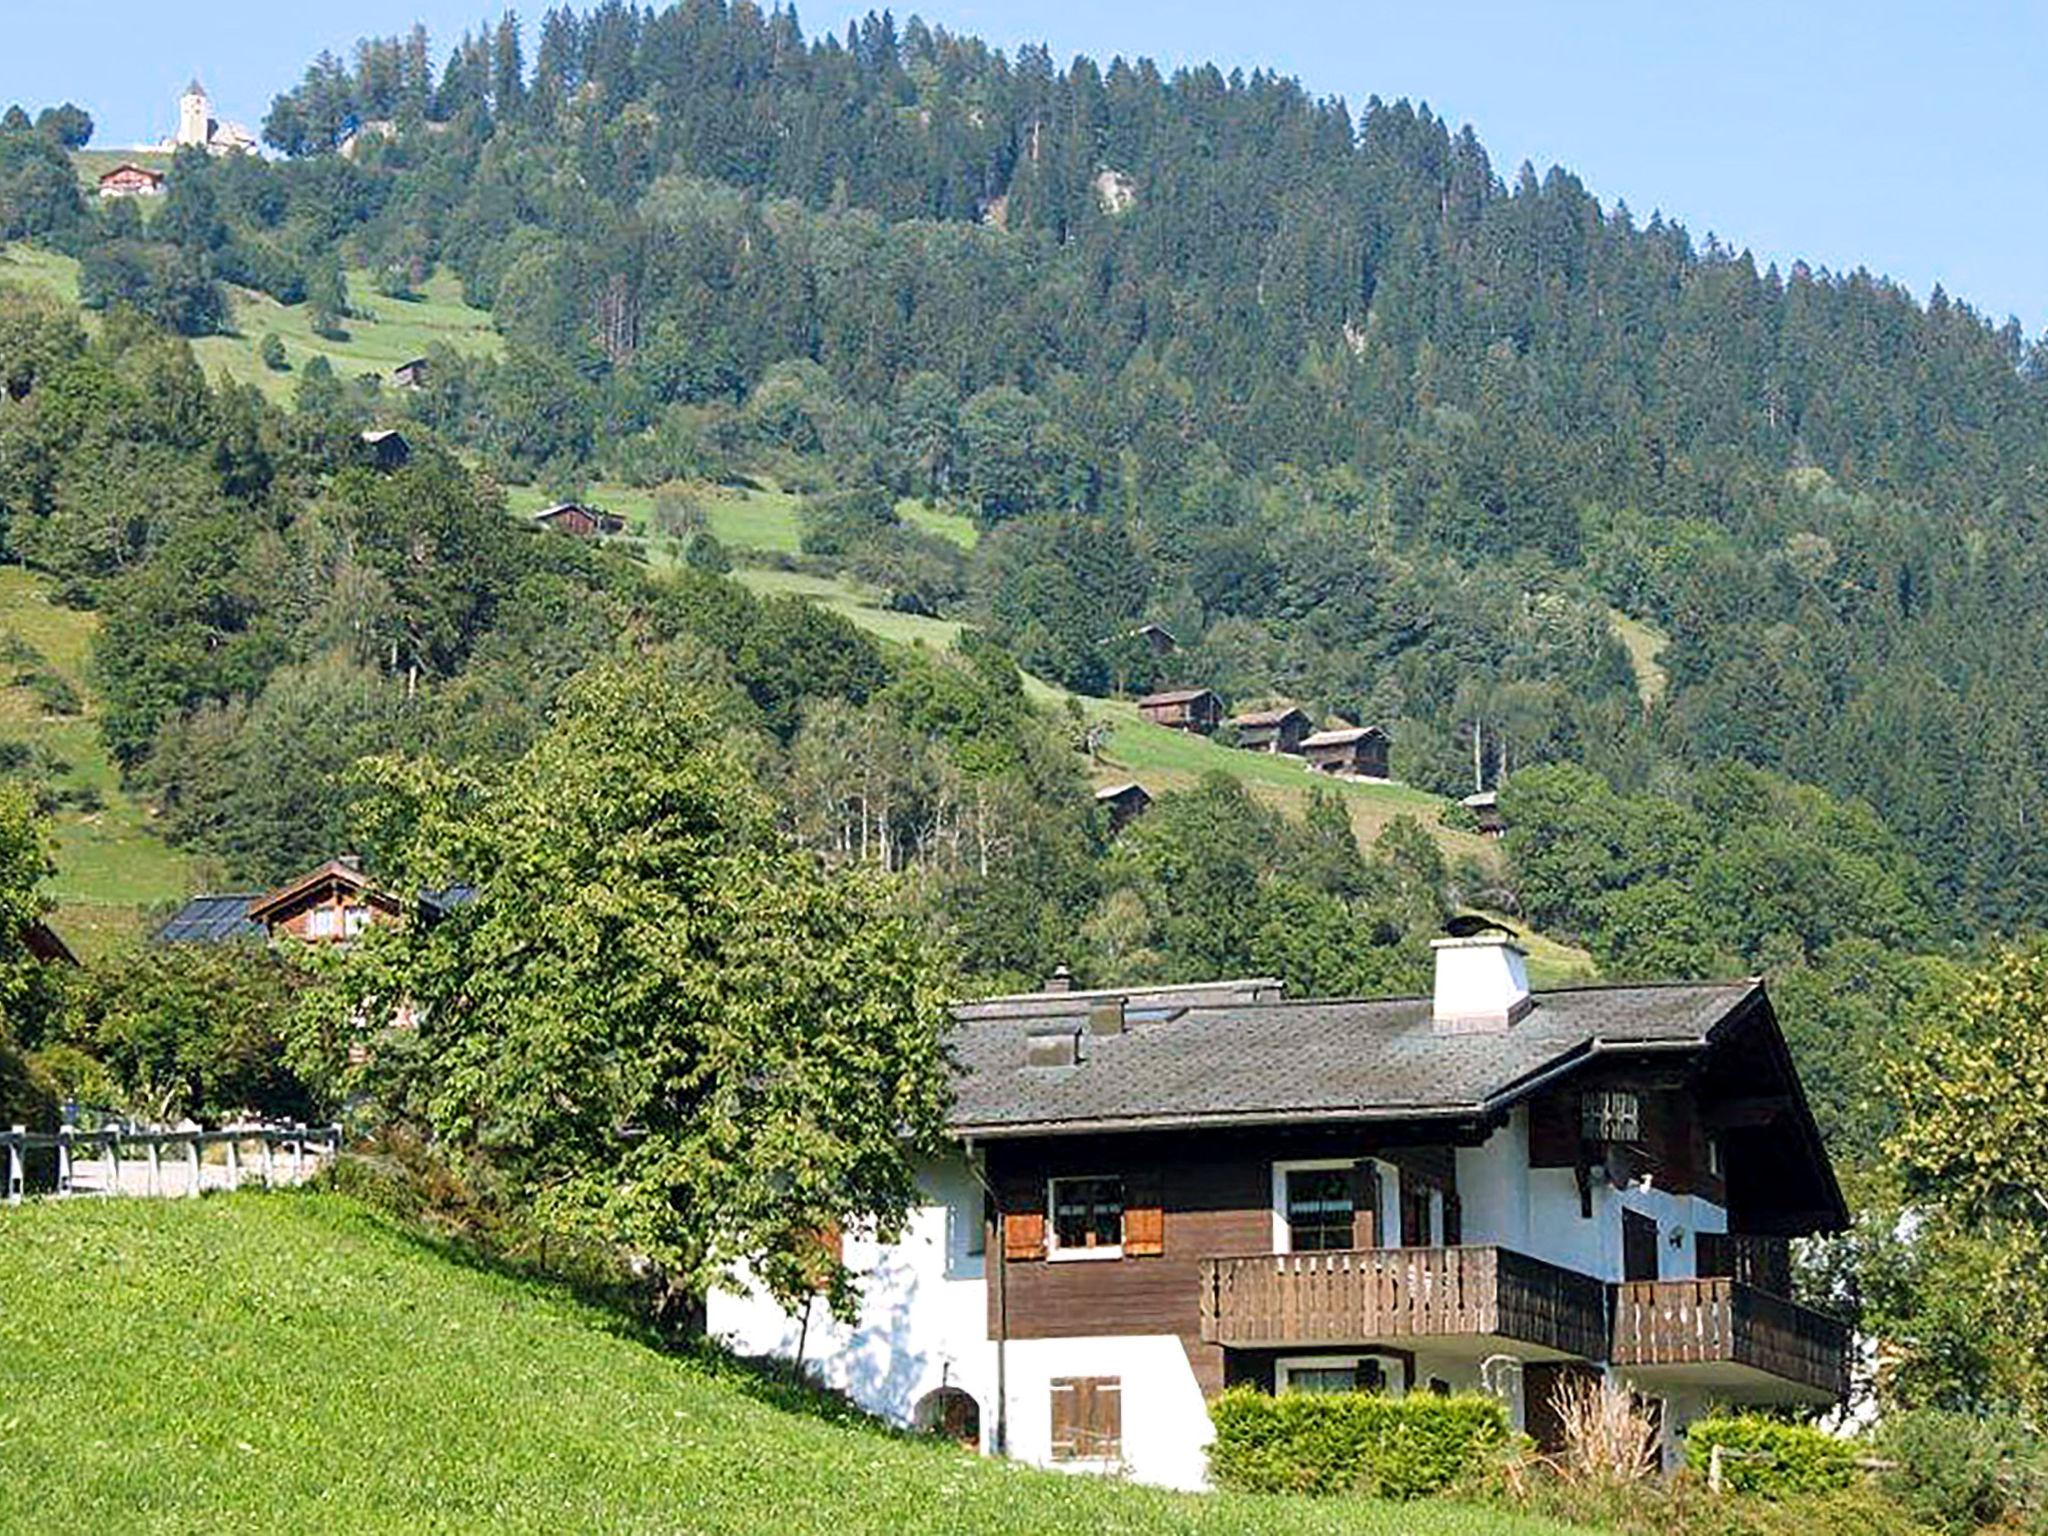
(573, 517)
(387, 447)
(1183, 709)
(1358, 751)
(410, 374)
(1272, 730)
(1125, 802)
(126, 180)
(1157, 637)
(1485, 809)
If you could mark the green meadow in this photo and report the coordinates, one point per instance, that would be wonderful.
(294, 1362)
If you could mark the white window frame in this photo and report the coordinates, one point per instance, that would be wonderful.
(1283, 1234)
(1395, 1370)
(1054, 1253)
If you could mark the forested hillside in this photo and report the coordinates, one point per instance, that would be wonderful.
(1378, 425)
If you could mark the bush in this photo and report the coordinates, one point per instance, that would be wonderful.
(1957, 1472)
(272, 353)
(1383, 1447)
(1771, 1457)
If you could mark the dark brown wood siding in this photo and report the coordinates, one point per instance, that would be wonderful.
(1214, 1198)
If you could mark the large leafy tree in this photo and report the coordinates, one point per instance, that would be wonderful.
(659, 1022)
(1972, 1147)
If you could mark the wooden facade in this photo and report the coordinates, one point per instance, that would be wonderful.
(584, 522)
(1273, 730)
(1124, 802)
(329, 905)
(1183, 709)
(129, 180)
(410, 374)
(1355, 752)
(387, 448)
(1197, 1257)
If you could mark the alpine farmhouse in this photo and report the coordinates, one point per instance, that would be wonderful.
(1158, 1193)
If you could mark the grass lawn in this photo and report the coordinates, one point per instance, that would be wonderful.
(294, 1362)
(1644, 643)
(110, 863)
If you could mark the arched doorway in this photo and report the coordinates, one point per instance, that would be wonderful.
(952, 1413)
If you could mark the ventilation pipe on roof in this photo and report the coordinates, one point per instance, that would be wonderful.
(1482, 983)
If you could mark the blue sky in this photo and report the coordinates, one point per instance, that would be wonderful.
(1897, 137)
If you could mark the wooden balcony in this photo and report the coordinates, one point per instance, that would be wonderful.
(1488, 1296)
(1729, 1336)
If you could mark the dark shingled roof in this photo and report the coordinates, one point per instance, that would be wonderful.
(1174, 696)
(1228, 1060)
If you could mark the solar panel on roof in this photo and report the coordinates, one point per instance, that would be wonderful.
(210, 920)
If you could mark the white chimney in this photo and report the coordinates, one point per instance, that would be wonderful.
(1482, 984)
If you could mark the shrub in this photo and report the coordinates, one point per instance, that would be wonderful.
(272, 353)
(1390, 1448)
(1608, 1437)
(1957, 1472)
(1771, 1457)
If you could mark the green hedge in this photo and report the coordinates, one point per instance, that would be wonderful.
(1771, 1457)
(1390, 1448)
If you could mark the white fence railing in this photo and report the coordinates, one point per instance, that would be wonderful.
(114, 1161)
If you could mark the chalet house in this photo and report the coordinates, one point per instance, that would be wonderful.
(1125, 802)
(1358, 751)
(1485, 809)
(1155, 1194)
(127, 180)
(1183, 709)
(410, 374)
(575, 518)
(387, 447)
(1272, 730)
(330, 904)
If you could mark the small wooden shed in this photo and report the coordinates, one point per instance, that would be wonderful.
(1123, 801)
(1357, 752)
(1272, 730)
(575, 518)
(410, 374)
(1183, 709)
(387, 447)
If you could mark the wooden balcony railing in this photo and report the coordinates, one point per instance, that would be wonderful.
(1723, 1321)
(1364, 1295)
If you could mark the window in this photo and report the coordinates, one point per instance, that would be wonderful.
(1088, 1217)
(323, 923)
(354, 920)
(1333, 1373)
(983, 1213)
(1087, 1418)
(1318, 1209)
(1610, 1116)
(1714, 1169)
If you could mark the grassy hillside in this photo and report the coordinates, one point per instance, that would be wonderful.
(1644, 643)
(384, 333)
(294, 1362)
(110, 864)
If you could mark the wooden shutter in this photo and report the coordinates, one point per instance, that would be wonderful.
(1023, 1235)
(1087, 1418)
(1365, 1206)
(1454, 1219)
(1144, 1218)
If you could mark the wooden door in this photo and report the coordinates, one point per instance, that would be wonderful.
(1638, 1247)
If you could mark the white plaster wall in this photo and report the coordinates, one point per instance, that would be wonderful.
(924, 1311)
(1166, 1429)
(1536, 1210)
